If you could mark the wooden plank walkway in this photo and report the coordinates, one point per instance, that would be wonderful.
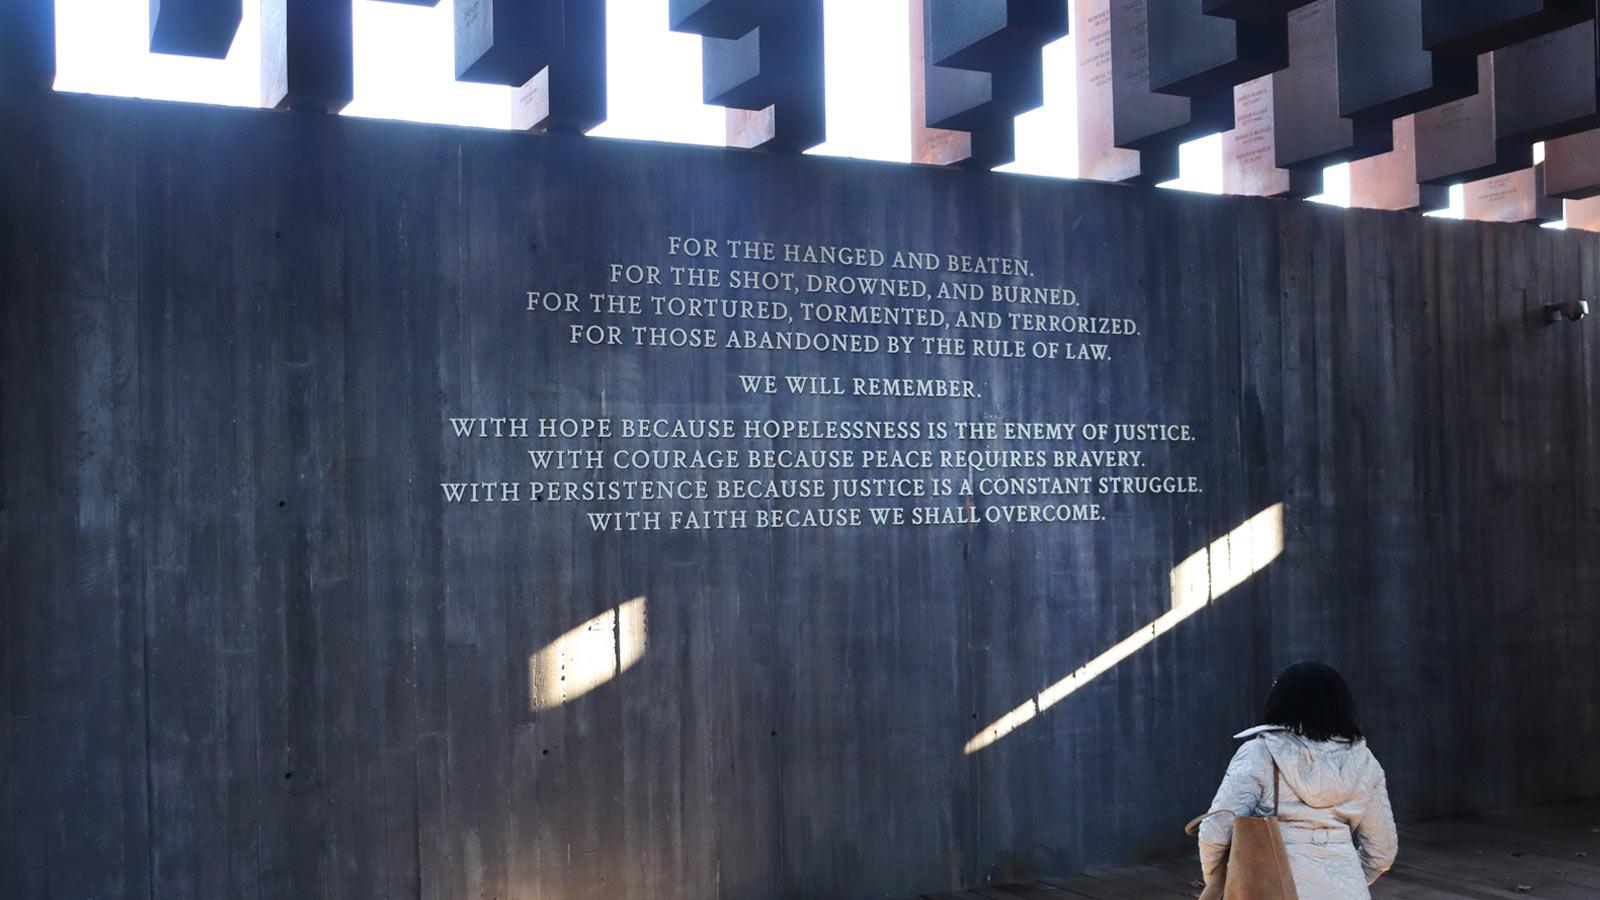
(1549, 851)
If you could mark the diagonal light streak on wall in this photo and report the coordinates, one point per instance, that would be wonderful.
(587, 657)
(1211, 572)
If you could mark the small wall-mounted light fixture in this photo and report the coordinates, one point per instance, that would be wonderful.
(1572, 311)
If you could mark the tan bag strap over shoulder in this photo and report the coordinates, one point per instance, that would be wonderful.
(1193, 828)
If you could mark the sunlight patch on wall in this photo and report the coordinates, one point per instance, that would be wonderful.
(588, 656)
(1225, 564)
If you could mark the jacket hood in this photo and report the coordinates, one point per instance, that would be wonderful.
(1323, 774)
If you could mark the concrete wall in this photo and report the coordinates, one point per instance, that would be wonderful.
(251, 650)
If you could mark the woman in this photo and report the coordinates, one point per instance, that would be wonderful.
(1333, 801)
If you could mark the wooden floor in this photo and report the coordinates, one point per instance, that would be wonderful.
(1551, 851)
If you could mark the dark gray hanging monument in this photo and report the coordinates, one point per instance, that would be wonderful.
(1308, 97)
(1260, 10)
(1549, 86)
(1099, 158)
(508, 41)
(763, 53)
(1460, 141)
(560, 44)
(985, 66)
(1193, 54)
(1384, 72)
(307, 55)
(1143, 119)
(194, 27)
(28, 44)
(1470, 27)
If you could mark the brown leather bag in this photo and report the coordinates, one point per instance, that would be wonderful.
(1256, 866)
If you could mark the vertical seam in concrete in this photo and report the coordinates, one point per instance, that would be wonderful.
(139, 188)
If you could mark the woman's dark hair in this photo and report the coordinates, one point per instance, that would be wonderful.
(1313, 701)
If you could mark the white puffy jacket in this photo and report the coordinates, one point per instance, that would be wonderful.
(1333, 808)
